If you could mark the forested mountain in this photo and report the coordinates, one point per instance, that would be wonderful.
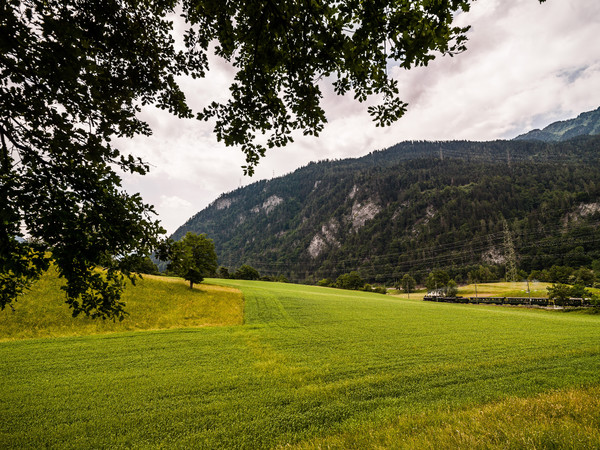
(415, 207)
(586, 124)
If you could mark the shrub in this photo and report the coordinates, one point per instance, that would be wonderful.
(350, 280)
(326, 282)
(223, 272)
(246, 272)
(451, 289)
(281, 279)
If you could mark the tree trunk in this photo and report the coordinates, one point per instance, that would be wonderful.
(191, 284)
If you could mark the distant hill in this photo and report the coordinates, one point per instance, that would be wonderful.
(414, 207)
(586, 124)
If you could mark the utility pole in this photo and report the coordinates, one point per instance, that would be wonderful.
(511, 259)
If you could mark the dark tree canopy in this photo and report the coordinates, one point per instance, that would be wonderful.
(74, 74)
(438, 279)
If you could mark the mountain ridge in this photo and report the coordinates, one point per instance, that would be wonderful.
(413, 207)
(586, 123)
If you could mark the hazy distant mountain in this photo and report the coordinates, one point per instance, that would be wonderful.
(414, 207)
(586, 124)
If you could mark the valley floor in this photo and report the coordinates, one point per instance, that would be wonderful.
(314, 367)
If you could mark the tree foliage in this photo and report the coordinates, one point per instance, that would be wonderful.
(246, 272)
(408, 283)
(223, 272)
(438, 279)
(481, 274)
(192, 258)
(350, 280)
(283, 48)
(451, 289)
(560, 292)
(326, 282)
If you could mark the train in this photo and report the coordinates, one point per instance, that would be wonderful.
(529, 301)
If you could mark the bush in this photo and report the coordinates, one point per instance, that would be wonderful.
(377, 289)
(451, 289)
(350, 280)
(246, 272)
(560, 293)
(142, 265)
(223, 272)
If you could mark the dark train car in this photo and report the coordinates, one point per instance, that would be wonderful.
(539, 301)
(534, 301)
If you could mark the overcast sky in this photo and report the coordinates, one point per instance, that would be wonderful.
(527, 65)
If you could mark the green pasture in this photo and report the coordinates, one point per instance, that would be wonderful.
(498, 289)
(506, 289)
(153, 303)
(313, 368)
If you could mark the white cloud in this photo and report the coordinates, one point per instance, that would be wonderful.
(526, 65)
(174, 211)
(173, 202)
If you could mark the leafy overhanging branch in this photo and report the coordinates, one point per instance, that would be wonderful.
(281, 49)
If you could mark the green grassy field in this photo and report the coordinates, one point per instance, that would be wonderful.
(154, 303)
(314, 368)
(499, 289)
(506, 289)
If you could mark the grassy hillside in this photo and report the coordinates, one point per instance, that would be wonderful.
(314, 367)
(154, 303)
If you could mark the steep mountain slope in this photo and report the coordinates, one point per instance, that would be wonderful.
(415, 207)
(586, 124)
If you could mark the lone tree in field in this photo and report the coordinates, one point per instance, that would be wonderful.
(193, 258)
(408, 284)
(75, 74)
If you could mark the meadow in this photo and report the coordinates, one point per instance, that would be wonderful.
(153, 303)
(497, 289)
(312, 367)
